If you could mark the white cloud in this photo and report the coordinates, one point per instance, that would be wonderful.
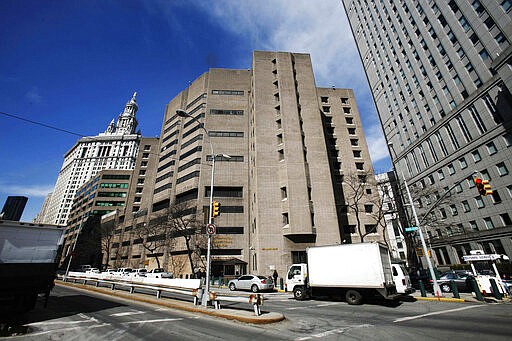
(30, 191)
(319, 28)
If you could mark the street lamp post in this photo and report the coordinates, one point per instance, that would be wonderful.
(437, 289)
(183, 113)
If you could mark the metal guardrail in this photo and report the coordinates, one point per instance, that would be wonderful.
(193, 290)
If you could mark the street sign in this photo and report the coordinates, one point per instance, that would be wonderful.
(411, 228)
(210, 229)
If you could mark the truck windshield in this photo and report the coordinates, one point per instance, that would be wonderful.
(294, 270)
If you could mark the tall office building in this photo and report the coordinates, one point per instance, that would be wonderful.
(116, 148)
(13, 208)
(440, 73)
(284, 151)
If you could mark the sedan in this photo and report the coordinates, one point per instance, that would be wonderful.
(457, 277)
(251, 282)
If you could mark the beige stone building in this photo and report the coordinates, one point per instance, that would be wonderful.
(284, 152)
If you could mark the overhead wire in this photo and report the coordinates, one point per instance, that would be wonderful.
(42, 124)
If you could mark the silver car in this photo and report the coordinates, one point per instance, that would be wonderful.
(251, 282)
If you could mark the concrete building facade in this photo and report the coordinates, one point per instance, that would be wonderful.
(440, 74)
(283, 150)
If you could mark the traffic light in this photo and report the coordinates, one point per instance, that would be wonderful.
(483, 186)
(479, 186)
(215, 209)
(486, 187)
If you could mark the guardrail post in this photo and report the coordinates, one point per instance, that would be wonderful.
(476, 289)
(198, 293)
(158, 293)
(97, 284)
(132, 289)
(455, 290)
(422, 288)
(113, 287)
(495, 289)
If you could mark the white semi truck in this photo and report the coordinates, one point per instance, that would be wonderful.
(353, 271)
(27, 263)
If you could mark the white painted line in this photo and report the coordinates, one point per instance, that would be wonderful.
(334, 331)
(437, 313)
(86, 319)
(154, 321)
(327, 304)
(128, 313)
(60, 330)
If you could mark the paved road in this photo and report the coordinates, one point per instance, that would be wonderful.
(80, 315)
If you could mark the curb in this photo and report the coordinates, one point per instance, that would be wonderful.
(441, 299)
(230, 314)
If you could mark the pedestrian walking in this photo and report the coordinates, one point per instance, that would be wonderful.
(274, 276)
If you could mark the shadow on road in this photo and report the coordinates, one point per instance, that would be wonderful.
(58, 307)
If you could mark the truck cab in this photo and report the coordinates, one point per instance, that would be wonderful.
(296, 280)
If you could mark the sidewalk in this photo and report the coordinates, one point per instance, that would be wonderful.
(464, 297)
(241, 315)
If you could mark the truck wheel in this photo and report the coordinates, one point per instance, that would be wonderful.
(353, 297)
(254, 288)
(298, 293)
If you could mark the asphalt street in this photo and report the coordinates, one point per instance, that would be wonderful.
(82, 315)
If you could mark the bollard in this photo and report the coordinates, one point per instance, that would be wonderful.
(422, 288)
(495, 289)
(281, 283)
(476, 289)
(455, 290)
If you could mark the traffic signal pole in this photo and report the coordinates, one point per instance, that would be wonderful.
(437, 289)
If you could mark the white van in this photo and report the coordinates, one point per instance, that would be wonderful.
(401, 279)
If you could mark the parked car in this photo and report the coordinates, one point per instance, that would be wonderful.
(401, 279)
(139, 272)
(460, 279)
(93, 271)
(159, 273)
(508, 285)
(123, 272)
(251, 282)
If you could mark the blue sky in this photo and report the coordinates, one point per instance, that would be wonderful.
(74, 65)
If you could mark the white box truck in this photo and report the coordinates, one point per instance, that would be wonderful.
(353, 271)
(27, 263)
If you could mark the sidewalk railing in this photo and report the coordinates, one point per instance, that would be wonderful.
(187, 287)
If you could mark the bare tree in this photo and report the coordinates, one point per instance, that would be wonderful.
(357, 196)
(154, 236)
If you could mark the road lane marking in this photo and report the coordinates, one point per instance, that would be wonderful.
(437, 313)
(60, 330)
(154, 321)
(86, 319)
(334, 331)
(128, 313)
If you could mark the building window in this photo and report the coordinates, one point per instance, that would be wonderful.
(285, 218)
(344, 100)
(284, 194)
(463, 163)
(368, 208)
(505, 219)
(360, 165)
(491, 148)
(476, 156)
(281, 154)
(354, 142)
(473, 225)
(479, 202)
(502, 169)
(488, 223)
(465, 206)
(370, 228)
(451, 169)
(496, 199)
(228, 92)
